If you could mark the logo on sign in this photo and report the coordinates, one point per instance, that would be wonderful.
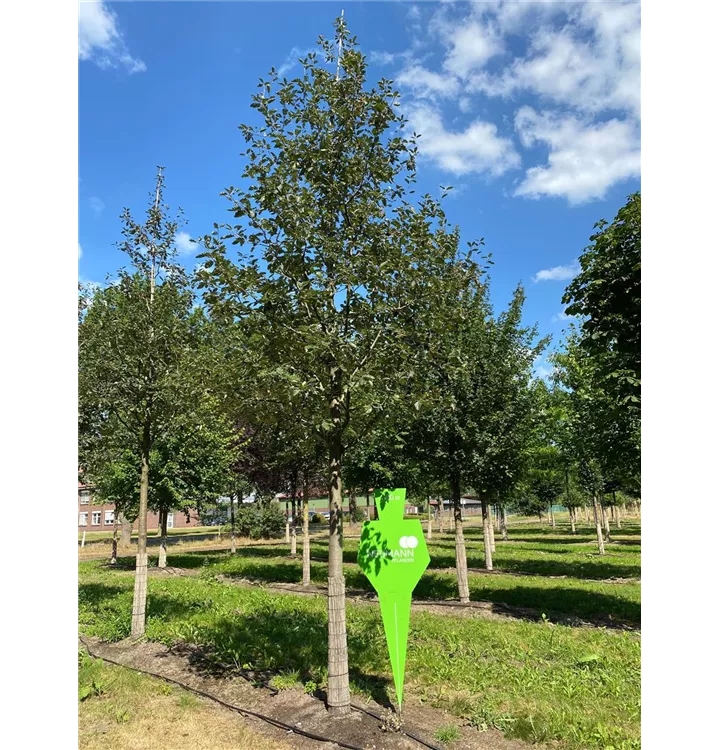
(408, 542)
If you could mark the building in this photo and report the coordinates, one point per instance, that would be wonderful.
(92, 517)
(470, 505)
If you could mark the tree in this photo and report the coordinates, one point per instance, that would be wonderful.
(601, 437)
(545, 472)
(509, 404)
(135, 340)
(607, 297)
(335, 264)
(473, 429)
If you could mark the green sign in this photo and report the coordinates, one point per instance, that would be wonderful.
(393, 555)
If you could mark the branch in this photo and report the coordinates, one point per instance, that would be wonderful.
(365, 358)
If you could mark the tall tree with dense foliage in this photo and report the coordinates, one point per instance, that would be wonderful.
(606, 295)
(545, 463)
(474, 426)
(600, 436)
(135, 340)
(335, 259)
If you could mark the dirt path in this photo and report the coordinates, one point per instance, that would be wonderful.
(188, 665)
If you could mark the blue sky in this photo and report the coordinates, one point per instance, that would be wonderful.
(530, 110)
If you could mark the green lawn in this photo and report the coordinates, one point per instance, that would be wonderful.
(558, 575)
(536, 681)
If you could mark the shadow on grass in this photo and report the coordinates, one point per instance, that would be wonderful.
(93, 595)
(285, 638)
(444, 556)
(556, 600)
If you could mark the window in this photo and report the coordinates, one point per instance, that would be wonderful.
(96, 517)
(84, 497)
(170, 520)
(82, 520)
(109, 517)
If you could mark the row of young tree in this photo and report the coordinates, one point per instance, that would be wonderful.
(339, 336)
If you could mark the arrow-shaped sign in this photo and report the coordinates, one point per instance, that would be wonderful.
(393, 555)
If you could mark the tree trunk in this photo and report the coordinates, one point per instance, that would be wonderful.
(491, 531)
(551, 516)
(462, 573)
(125, 531)
(338, 699)
(504, 530)
(368, 507)
(618, 517)
(352, 508)
(585, 513)
(488, 560)
(82, 543)
(452, 520)
(572, 516)
(306, 566)
(440, 513)
(293, 540)
(293, 536)
(139, 600)
(286, 529)
(113, 556)
(232, 525)
(429, 523)
(597, 522)
(162, 562)
(606, 524)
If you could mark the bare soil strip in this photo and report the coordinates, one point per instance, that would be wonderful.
(189, 666)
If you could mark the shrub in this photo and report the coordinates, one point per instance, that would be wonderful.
(259, 523)
(317, 518)
(271, 522)
(356, 516)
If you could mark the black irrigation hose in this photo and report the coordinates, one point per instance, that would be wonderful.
(246, 712)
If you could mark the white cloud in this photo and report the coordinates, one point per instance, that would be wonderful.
(584, 159)
(479, 148)
(562, 317)
(558, 273)
(96, 205)
(471, 46)
(464, 104)
(584, 74)
(425, 83)
(101, 42)
(90, 286)
(79, 251)
(543, 371)
(292, 59)
(184, 244)
(380, 57)
(579, 61)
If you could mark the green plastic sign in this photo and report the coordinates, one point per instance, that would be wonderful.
(393, 555)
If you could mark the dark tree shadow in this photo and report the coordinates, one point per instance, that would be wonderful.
(373, 549)
(257, 646)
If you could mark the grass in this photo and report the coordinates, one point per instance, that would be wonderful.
(540, 682)
(124, 710)
(446, 734)
(555, 573)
